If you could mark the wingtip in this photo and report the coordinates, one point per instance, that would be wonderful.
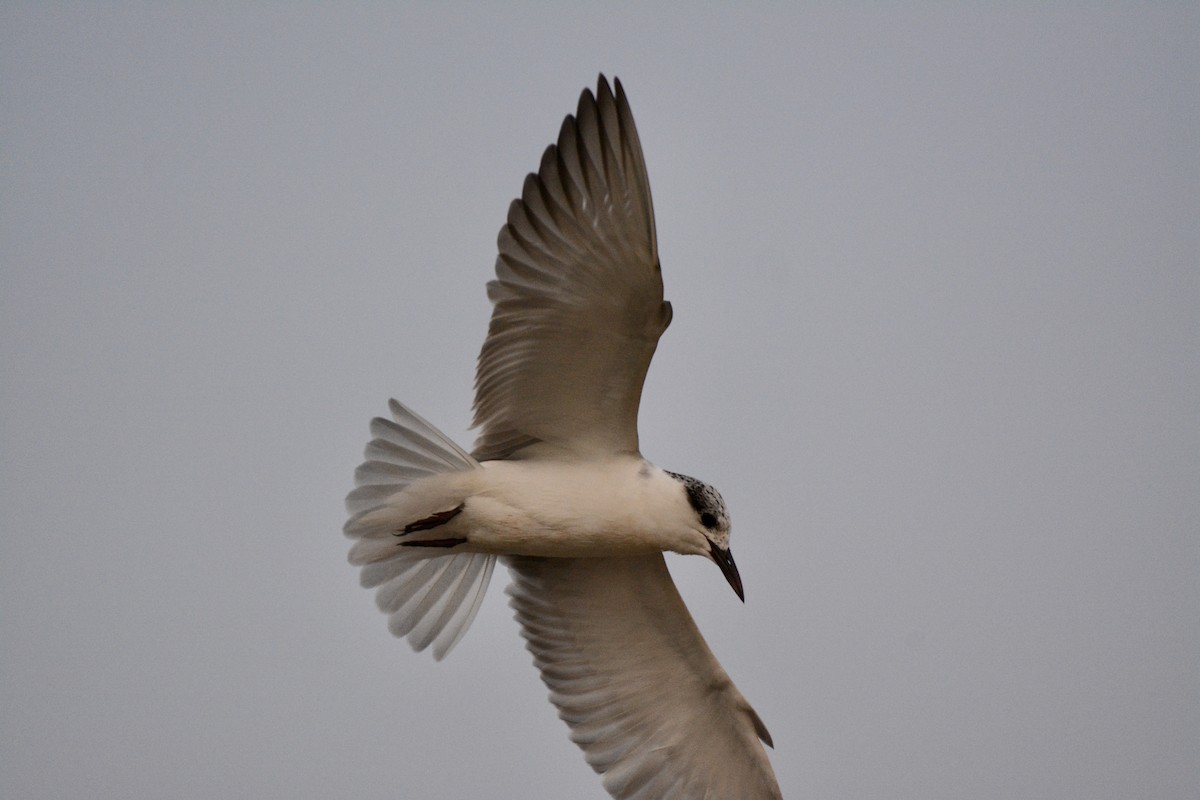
(614, 89)
(760, 727)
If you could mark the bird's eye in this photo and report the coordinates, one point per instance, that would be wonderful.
(708, 520)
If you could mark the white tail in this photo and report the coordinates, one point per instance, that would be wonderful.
(430, 597)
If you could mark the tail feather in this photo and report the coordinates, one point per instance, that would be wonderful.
(430, 598)
(381, 449)
(435, 609)
(460, 611)
(382, 473)
(367, 497)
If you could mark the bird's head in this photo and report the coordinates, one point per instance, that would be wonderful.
(712, 523)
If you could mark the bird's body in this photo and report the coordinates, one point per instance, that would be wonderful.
(617, 506)
(557, 487)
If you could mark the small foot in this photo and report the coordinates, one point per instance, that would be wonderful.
(432, 521)
(435, 543)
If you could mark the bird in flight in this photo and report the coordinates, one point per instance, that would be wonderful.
(557, 487)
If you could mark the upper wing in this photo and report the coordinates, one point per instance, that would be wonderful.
(578, 296)
(646, 700)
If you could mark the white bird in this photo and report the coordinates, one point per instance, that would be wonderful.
(557, 486)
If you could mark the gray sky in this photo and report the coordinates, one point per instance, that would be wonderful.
(936, 340)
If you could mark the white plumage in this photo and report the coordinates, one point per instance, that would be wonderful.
(558, 487)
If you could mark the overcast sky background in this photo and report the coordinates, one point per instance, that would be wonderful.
(936, 339)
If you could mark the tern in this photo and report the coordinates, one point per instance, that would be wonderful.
(557, 487)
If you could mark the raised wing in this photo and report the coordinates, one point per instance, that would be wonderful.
(644, 697)
(578, 296)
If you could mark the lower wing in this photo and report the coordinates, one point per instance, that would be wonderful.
(644, 697)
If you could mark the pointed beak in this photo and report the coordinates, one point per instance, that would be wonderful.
(724, 560)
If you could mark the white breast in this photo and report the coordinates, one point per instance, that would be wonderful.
(618, 506)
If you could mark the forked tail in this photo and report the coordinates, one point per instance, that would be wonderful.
(430, 596)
